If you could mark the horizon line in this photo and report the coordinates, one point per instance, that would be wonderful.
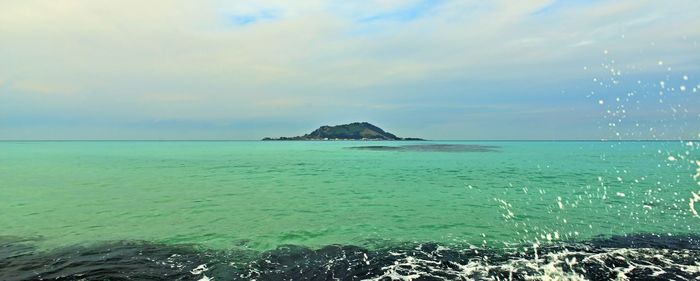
(260, 140)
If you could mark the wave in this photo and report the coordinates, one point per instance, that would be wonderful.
(632, 257)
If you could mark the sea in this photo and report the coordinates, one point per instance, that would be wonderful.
(349, 210)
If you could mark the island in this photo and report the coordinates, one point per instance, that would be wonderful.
(352, 131)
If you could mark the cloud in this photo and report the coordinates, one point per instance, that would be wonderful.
(45, 87)
(208, 61)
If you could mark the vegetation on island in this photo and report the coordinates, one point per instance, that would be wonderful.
(352, 131)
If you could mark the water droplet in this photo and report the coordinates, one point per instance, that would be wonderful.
(601, 102)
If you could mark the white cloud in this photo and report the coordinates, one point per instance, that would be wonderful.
(115, 54)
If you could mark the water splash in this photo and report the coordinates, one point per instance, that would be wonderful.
(696, 196)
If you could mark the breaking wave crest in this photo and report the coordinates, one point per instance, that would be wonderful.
(638, 257)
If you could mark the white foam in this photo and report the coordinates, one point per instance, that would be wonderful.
(695, 199)
(549, 267)
(199, 269)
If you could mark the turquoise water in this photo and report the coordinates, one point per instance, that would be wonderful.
(260, 195)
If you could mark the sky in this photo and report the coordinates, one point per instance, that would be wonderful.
(437, 69)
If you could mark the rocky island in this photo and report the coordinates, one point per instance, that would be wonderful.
(352, 131)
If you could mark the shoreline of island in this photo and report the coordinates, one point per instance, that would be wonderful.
(357, 131)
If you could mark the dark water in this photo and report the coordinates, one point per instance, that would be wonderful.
(430, 147)
(638, 257)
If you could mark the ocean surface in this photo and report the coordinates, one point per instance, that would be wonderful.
(349, 210)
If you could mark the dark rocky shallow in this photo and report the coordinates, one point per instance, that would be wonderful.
(430, 148)
(639, 257)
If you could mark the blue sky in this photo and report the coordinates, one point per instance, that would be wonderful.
(437, 69)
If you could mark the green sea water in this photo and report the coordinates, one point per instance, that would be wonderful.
(259, 195)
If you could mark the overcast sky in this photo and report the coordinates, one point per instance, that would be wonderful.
(167, 69)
